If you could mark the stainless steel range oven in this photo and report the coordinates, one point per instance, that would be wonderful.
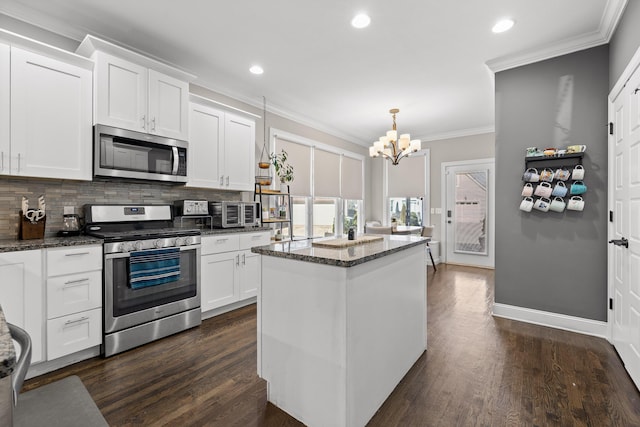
(151, 274)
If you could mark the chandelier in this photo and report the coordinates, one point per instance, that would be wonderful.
(392, 147)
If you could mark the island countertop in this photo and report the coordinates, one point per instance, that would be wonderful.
(303, 250)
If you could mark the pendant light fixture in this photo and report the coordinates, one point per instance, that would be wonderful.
(393, 148)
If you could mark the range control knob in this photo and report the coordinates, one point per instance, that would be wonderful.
(138, 245)
(158, 243)
(180, 241)
(125, 247)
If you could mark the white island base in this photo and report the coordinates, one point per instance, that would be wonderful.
(333, 342)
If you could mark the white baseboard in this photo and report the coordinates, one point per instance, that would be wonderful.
(233, 306)
(553, 320)
(53, 365)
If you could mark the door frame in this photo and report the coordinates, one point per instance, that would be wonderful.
(443, 203)
(631, 67)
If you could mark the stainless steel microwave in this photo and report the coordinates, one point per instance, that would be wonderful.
(121, 153)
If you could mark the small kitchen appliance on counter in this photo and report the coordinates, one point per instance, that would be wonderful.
(191, 207)
(70, 223)
(235, 214)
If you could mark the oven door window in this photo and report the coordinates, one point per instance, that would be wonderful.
(127, 300)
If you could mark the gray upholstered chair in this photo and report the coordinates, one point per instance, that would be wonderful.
(65, 402)
(377, 229)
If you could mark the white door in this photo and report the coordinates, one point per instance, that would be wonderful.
(121, 90)
(624, 256)
(468, 214)
(240, 152)
(250, 274)
(5, 105)
(168, 106)
(51, 132)
(219, 275)
(206, 133)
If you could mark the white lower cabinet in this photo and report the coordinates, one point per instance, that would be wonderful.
(230, 272)
(74, 299)
(21, 295)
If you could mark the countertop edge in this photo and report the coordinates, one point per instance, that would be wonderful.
(7, 350)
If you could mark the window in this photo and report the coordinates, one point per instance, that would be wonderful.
(406, 210)
(352, 214)
(324, 216)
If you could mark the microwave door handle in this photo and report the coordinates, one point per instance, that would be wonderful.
(175, 160)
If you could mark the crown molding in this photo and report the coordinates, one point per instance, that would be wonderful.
(610, 17)
(458, 133)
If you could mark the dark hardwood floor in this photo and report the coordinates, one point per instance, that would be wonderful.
(478, 371)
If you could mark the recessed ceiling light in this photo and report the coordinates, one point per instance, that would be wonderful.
(256, 69)
(503, 25)
(361, 20)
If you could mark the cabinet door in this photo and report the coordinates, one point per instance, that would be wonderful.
(168, 106)
(206, 126)
(121, 93)
(240, 152)
(249, 275)
(5, 106)
(219, 280)
(21, 291)
(51, 133)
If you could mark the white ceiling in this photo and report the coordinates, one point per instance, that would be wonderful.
(428, 58)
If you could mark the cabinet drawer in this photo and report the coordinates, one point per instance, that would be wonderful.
(249, 240)
(69, 334)
(219, 244)
(73, 260)
(73, 293)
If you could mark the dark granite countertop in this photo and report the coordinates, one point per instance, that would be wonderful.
(302, 250)
(11, 245)
(7, 351)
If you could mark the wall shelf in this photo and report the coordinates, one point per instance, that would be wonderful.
(262, 195)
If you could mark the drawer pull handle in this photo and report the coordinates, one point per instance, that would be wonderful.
(72, 283)
(255, 237)
(73, 322)
(221, 240)
(77, 253)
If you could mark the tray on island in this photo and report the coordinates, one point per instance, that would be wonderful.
(343, 242)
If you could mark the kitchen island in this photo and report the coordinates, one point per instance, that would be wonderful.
(338, 328)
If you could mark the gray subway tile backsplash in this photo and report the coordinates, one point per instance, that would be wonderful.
(60, 193)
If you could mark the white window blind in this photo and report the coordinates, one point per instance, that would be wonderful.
(351, 185)
(299, 156)
(326, 178)
(407, 178)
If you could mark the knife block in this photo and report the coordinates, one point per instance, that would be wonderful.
(30, 230)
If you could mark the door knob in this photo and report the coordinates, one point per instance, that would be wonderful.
(620, 242)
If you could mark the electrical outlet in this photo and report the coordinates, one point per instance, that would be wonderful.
(69, 210)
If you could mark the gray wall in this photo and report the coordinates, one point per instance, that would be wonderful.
(548, 261)
(625, 41)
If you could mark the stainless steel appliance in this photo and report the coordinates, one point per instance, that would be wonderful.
(151, 276)
(235, 214)
(123, 153)
(191, 207)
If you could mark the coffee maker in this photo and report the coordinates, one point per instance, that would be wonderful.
(70, 223)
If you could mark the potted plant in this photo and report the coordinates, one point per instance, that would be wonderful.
(283, 169)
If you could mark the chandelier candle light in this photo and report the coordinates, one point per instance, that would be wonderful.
(392, 147)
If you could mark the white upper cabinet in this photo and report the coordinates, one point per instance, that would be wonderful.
(5, 105)
(51, 131)
(240, 142)
(121, 93)
(221, 149)
(138, 93)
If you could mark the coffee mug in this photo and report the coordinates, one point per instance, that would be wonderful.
(542, 204)
(576, 149)
(557, 205)
(561, 152)
(531, 175)
(560, 190)
(527, 190)
(526, 204)
(546, 175)
(543, 190)
(578, 187)
(562, 174)
(575, 204)
(578, 172)
(532, 151)
(551, 151)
